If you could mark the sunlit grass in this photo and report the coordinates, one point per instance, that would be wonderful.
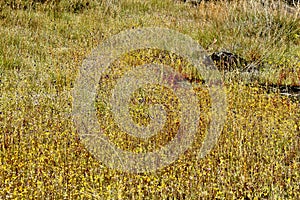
(41, 50)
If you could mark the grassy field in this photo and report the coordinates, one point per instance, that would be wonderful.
(43, 45)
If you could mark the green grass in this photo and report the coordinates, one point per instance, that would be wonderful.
(42, 47)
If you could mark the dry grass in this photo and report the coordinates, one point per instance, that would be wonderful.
(41, 50)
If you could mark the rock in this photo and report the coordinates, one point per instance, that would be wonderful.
(292, 2)
(293, 92)
(227, 61)
(192, 1)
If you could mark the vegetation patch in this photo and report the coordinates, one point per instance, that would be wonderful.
(42, 47)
